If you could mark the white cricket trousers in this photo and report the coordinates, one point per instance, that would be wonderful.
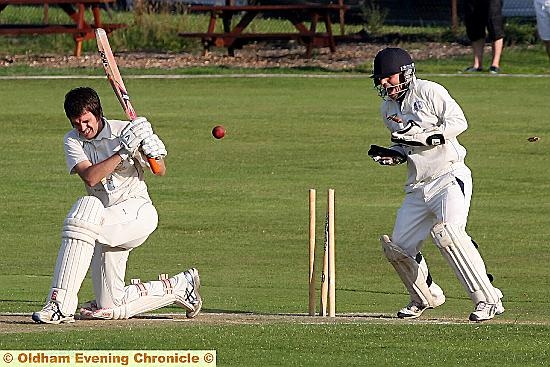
(422, 208)
(126, 226)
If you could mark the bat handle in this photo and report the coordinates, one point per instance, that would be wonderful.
(155, 167)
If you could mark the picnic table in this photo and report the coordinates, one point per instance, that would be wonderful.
(75, 9)
(235, 37)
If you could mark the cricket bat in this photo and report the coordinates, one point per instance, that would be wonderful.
(113, 75)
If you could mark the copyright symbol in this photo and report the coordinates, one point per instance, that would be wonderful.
(8, 358)
(209, 358)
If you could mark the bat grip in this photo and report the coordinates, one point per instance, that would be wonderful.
(155, 167)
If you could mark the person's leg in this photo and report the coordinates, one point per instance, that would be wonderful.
(457, 248)
(78, 239)
(126, 226)
(542, 11)
(497, 51)
(495, 30)
(475, 18)
(412, 226)
(108, 273)
(125, 223)
(477, 47)
(181, 289)
(416, 277)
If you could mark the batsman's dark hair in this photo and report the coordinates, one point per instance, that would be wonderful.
(80, 100)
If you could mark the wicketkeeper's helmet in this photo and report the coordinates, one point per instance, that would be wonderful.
(390, 61)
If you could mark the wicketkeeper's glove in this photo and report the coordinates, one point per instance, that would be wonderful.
(412, 134)
(385, 156)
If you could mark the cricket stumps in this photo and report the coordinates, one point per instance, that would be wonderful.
(328, 272)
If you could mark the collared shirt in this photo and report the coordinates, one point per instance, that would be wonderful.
(430, 105)
(127, 179)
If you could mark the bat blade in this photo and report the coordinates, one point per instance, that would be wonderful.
(115, 79)
(113, 74)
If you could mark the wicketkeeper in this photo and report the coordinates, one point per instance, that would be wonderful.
(425, 121)
(116, 216)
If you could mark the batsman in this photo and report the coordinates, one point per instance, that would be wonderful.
(424, 122)
(116, 216)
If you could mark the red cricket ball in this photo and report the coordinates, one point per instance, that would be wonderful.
(218, 132)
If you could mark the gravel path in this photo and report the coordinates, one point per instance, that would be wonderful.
(347, 57)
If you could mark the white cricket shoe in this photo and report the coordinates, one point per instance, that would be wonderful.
(51, 314)
(486, 311)
(414, 309)
(89, 309)
(188, 297)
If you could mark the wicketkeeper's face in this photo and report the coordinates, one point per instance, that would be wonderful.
(87, 125)
(392, 85)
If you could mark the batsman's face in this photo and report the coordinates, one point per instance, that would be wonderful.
(391, 85)
(87, 125)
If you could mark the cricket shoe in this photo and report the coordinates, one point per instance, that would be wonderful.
(51, 314)
(414, 309)
(486, 311)
(88, 309)
(188, 297)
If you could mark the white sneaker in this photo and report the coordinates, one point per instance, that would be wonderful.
(88, 309)
(51, 314)
(414, 309)
(484, 311)
(188, 297)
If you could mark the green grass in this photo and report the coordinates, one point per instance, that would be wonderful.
(237, 209)
(325, 345)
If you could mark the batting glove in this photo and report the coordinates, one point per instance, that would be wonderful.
(132, 136)
(385, 156)
(153, 147)
(412, 134)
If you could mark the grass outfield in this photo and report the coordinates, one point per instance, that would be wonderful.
(237, 209)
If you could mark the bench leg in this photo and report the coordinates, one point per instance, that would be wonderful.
(313, 30)
(78, 38)
(78, 47)
(328, 26)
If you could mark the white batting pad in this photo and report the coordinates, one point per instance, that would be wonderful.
(144, 297)
(459, 251)
(412, 274)
(80, 230)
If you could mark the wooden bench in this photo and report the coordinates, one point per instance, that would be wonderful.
(75, 9)
(235, 37)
